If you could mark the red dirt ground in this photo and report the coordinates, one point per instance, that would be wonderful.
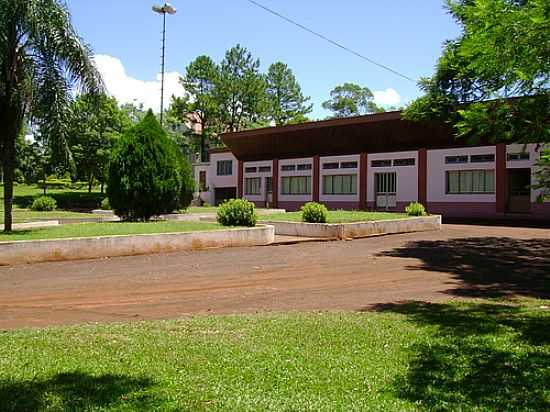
(458, 261)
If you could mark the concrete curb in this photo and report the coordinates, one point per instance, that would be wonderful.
(357, 229)
(32, 251)
(33, 225)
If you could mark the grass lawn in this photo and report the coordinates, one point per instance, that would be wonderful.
(66, 200)
(203, 209)
(457, 356)
(107, 229)
(338, 216)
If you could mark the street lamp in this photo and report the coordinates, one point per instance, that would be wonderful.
(167, 8)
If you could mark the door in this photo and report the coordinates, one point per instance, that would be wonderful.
(268, 191)
(385, 185)
(222, 194)
(519, 190)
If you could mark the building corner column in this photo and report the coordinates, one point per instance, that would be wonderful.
(275, 184)
(363, 180)
(501, 178)
(316, 177)
(240, 175)
(423, 176)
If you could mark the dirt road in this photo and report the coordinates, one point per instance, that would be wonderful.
(459, 261)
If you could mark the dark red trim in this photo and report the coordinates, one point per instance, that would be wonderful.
(275, 183)
(501, 178)
(423, 176)
(316, 177)
(240, 175)
(363, 180)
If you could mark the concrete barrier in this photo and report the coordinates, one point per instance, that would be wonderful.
(31, 251)
(357, 229)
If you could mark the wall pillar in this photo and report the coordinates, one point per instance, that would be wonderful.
(501, 178)
(275, 183)
(423, 177)
(240, 175)
(316, 177)
(363, 180)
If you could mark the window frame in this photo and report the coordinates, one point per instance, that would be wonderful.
(352, 186)
(247, 187)
(308, 183)
(220, 171)
(472, 172)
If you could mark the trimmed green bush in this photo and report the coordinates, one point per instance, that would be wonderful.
(44, 204)
(148, 175)
(416, 209)
(313, 212)
(237, 212)
(105, 205)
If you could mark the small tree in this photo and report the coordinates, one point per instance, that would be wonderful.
(349, 100)
(147, 174)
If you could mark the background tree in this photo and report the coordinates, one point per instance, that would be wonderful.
(96, 123)
(502, 52)
(200, 104)
(148, 175)
(287, 104)
(134, 112)
(241, 91)
(349, 100)
(41, 59)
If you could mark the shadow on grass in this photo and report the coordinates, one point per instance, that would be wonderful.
(477, 356)
(75, 391)
(487, 266)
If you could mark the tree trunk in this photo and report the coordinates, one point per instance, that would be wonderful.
(8, 166)
(90, 182)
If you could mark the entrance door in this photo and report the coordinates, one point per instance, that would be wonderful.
(386, 190)
(519, 191)
(224, 193)
(268, 191)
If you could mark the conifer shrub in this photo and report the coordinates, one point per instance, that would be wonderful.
(313, 212)
(148, 175)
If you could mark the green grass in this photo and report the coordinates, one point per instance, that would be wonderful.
(337, 216)
(203, 209)
(107, 229)
(458, 356)
(66, 200)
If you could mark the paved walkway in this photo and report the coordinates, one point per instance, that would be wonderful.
(456, 262)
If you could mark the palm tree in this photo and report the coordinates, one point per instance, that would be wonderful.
(42, 61)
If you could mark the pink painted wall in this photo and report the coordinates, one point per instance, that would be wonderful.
(407, 176)
(437, 176)
(342, 199)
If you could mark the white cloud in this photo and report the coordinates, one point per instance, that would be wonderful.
(388, 97)
(127, 89)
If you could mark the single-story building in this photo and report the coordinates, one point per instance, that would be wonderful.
(375, 162)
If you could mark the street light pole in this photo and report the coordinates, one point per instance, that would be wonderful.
(167, 8)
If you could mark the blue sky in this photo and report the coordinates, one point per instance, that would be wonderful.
(403, 34)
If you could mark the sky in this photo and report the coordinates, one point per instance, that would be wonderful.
(406, 35)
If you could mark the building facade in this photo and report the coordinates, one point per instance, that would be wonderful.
(345, 164)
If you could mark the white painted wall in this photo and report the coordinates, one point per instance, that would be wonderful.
(295, 198)
(437, 176)
(407, 176)
(222, 181)
(331, 172)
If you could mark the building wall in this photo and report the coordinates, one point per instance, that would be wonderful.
(408, 180)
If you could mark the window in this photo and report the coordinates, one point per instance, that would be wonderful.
(250, 169)
(296, 185)
(265, 169)
(470, 181)
(386, 183)
(253, 185)
(404, 162)
(381, 163)
(305, 166)
(225, 167)
(340, 185)
(348, 165)
(482, 158)
(451, 160)
(288, 168)
(334, 165)
(518, 156)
